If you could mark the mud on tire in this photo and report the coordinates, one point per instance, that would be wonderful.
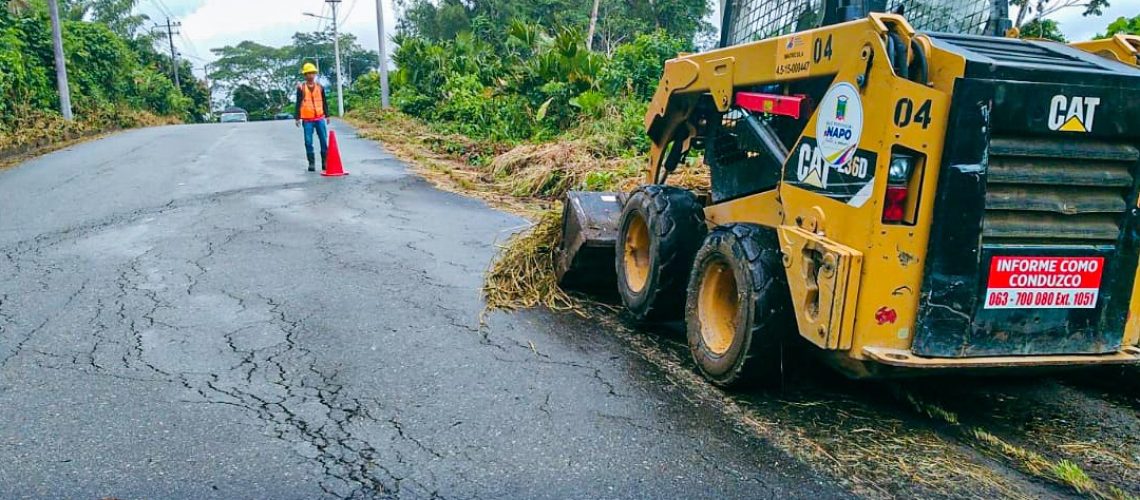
(739, 312)
(660, 230)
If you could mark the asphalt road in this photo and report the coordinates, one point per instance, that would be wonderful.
(186, 313)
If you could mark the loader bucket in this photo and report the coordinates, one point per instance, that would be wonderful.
(585, 258)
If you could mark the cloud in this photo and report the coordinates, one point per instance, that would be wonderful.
(211, 24)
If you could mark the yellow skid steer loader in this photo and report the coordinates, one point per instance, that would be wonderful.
(908, 191)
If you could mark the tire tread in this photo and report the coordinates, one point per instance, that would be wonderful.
(676, 221)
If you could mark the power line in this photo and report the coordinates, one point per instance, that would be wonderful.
(162, 8)
(321, 19)
(189, 44)
(349, 12)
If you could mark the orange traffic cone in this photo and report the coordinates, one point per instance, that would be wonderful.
(333, 167)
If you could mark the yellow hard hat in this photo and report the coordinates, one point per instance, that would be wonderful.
(308, 68)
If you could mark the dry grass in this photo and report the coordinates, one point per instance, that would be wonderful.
(523, 274)
(40, 133)
(549, 170)
(1062, 471)
(530, 174)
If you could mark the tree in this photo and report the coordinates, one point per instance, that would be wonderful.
(1043, 28)
(1123, 25)
(254, 101)
(262, 79)
(616, 21)
(593, 25)
(110, 71)
(1043, 8)
(318, 46)
(268, 70)
(118, 15)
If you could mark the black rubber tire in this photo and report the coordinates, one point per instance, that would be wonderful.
(676, 225)
(764, 316)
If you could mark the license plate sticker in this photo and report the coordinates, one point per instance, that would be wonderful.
(1043, 282)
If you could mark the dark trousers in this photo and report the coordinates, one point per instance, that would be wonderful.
(322, 130)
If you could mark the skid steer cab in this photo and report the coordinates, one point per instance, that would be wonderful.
(905, 202)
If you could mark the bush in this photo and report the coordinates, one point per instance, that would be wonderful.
(365, 91)
(636, 67)
(105, 70)
(530, 84)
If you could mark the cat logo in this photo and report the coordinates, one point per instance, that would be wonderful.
(1072, 114)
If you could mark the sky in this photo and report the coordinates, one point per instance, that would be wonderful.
(208, 24)
(1077, 28)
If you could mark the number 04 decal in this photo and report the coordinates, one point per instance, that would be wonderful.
(821, 50)
(906, 113)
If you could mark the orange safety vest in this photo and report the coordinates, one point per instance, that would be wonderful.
(312, 102)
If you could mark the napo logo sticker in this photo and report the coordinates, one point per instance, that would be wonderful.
(1072, 114)
(839, 124)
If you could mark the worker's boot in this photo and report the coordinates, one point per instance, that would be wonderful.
(312, 162)
(324, 161)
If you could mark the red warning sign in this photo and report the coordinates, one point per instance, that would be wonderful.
(1043, 282)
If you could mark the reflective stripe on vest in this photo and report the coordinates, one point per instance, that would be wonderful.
(312, 102)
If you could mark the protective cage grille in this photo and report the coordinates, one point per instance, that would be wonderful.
(752, 20)
(737, 163)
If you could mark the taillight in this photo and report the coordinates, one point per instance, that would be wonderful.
(898, 188)
(894, 209)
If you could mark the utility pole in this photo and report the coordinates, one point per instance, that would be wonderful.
(383, 55)
(169, 31)
(209, 90)
(60, 62)
(336, 48)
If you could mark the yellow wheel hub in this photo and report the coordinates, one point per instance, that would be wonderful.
(717, 306)
(636, 253)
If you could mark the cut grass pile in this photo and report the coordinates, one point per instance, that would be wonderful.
(523, 274)
(549, 170)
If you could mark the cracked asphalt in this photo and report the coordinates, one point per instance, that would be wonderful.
(186, 313)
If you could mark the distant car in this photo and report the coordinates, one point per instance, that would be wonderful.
(234, 117)
(283, 116)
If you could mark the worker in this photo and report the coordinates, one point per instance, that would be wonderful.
(312, 112)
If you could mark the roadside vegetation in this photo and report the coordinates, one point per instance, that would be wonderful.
(117, 77)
